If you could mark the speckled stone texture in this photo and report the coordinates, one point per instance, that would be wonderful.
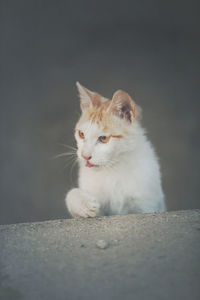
(148, 256)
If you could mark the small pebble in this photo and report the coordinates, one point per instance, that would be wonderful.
(102, 244)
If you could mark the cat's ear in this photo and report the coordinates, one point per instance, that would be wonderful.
(123, 106)
(86, 97)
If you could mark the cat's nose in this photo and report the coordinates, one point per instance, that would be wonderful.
(86, 157)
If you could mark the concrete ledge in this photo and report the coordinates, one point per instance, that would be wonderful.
(147, 256)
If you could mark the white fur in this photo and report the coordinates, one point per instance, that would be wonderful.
(127, 179)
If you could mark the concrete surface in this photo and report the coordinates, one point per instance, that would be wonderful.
(148, 256)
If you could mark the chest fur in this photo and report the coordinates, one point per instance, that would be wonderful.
(107, 185)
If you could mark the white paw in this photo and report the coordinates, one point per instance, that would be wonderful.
(81, 204)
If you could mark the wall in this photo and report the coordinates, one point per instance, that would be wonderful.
(148, 48)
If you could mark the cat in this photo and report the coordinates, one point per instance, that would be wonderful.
(118, 169)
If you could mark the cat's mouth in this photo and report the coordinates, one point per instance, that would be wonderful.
(89, 165)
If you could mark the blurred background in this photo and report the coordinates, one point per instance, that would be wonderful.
(148, 48)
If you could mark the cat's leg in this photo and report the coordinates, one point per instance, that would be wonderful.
(137, 205)
(129, 205)
(82, 204)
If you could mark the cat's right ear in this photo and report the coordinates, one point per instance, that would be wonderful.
(86, 97)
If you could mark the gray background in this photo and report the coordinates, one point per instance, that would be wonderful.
(148, 48)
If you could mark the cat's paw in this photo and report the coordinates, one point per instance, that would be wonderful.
(81, 204)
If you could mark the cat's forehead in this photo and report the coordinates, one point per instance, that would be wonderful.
(91, 128)
(100, 120)
(96, 119)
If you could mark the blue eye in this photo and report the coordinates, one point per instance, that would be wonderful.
(104, 139)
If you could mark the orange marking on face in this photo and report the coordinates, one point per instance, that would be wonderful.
(102, 116)
(117, 136)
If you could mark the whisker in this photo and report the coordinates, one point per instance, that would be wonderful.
(64, 154)
(111, 164)
(67, 146)
(69, 161)
(72, 168)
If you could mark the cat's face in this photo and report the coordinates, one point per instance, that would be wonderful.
(104, 130)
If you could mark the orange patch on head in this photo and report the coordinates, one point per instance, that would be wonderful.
(97, 115)
(107, 114)
(105, 128)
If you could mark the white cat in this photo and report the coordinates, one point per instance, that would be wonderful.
(119, 171)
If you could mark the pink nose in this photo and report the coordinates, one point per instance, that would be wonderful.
(86, 157)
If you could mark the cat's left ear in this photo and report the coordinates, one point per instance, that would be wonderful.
(86, 97)
(123, 106)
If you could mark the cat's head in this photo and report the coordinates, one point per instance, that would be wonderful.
(105, 130)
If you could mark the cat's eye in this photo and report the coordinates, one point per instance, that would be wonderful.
(81, 134)
(104, 139)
